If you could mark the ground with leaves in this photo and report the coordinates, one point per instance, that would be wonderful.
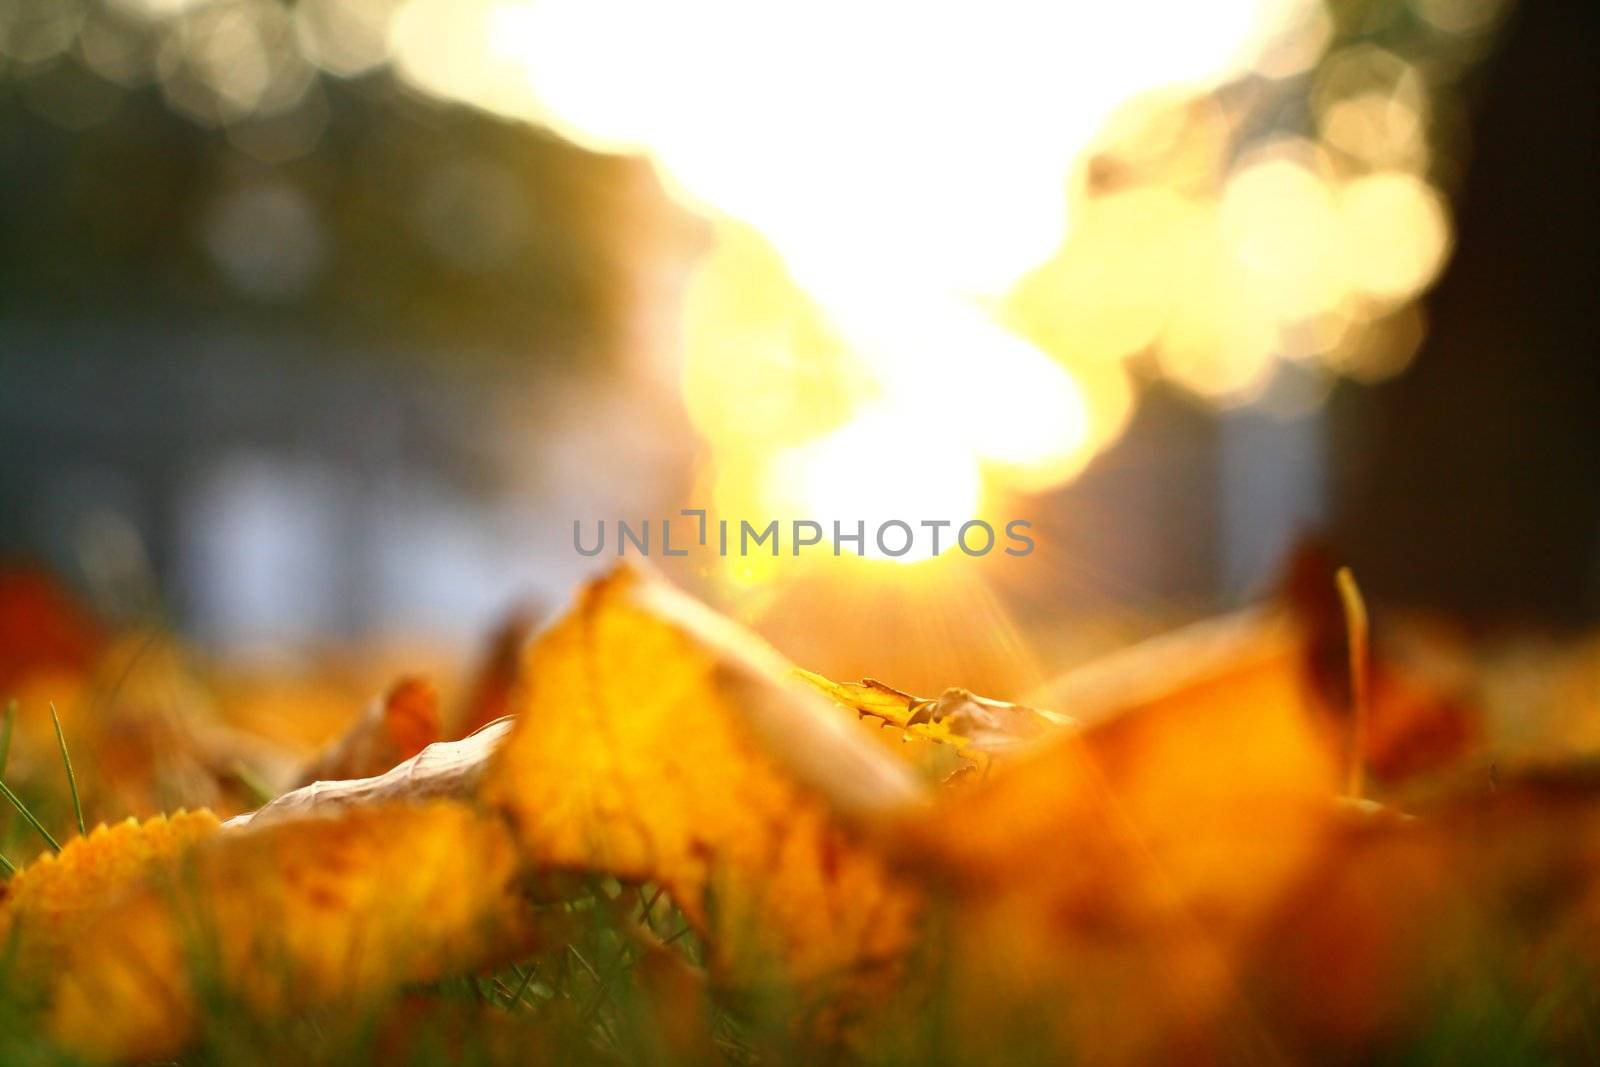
(643, 836)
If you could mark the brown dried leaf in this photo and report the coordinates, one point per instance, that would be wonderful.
(489, 696)
(448, 770)
(393, 729)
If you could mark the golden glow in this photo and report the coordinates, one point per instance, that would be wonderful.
(888, 412)
(1399, 233)
(763, 366)
(1219, 336)
(1106, 295)
(449, 48)
(1378, 129)
(985, 221)
(917, 296)
(882, 466)
(894, 170)
(1280, 217)
(974, 384)
(1381, 348)
(930, 140)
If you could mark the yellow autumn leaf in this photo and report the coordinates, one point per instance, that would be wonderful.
(975, 725)
(657, 741)
(874, 700)
(288, 915)
(48, 904)
(884, 715)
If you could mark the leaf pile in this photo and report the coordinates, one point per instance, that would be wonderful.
(678, 845)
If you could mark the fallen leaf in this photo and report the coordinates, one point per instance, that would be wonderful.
(42, 629)
(1115, 874)
(972, 724)
(489, 695)
(391, 730)
(656, 741)
(448, 770)
(47, 906)
(1483, 903)
(293, 914)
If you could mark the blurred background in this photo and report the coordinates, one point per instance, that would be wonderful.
(321, 322)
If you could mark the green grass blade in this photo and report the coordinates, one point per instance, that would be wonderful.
(72, 779)
(5, 734)
(259, 790)
(22, 809)
(7, 866)
(522, 987)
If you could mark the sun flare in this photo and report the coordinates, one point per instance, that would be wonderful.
(888, 213)
(903, 249)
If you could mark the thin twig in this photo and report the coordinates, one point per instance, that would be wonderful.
(72, 778)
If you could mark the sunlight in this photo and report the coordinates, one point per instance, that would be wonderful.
(844, 325)
(883, 465)
(903, 242)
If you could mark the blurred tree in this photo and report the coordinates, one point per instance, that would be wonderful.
(405, 221)
(1472, 483)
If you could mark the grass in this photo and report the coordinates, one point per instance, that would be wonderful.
(579, 999)
(7, 726)
(72, 778)
(28, 817)
(587, 997)
(590, 995)
(6, 729)
(22, 809)
(16, 801)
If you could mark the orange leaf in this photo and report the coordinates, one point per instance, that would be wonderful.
(306, 912)
(1116, 873)
(49, 903)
